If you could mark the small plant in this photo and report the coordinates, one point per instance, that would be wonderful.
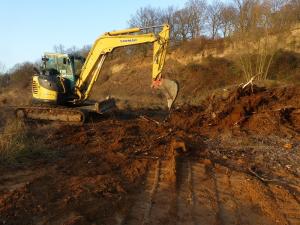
(256, 58)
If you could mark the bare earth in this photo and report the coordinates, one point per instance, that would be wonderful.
(234, 160)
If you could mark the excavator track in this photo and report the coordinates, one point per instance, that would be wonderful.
(61, 114)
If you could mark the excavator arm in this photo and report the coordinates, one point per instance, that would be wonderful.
(111, 40)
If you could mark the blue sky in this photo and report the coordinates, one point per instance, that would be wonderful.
(31, 27)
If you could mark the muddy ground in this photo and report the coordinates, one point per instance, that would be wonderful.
(232, 160)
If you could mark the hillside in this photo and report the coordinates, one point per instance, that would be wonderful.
(200, 67)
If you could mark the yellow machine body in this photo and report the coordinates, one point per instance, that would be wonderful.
(67, 80)
(111, 40)
(42, 94)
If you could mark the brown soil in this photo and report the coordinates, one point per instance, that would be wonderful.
(234, 160)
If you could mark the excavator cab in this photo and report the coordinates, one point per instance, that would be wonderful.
(62, 64)
(56, 79)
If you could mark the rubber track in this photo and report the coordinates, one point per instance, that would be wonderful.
(62, 114)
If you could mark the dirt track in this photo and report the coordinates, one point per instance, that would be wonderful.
(203, 193)
(235, 160)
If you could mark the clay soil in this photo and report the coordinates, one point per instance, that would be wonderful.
(232, 160)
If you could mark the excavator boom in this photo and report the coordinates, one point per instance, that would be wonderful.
(111, 40)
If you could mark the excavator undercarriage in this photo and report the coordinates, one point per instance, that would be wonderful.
(71, 114)
(62, 114)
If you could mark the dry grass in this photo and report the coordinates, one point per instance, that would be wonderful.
(12, 139)
(18, 144)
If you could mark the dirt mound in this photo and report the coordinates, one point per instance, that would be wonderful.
(252, 109)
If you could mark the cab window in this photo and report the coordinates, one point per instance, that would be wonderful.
(64, 64)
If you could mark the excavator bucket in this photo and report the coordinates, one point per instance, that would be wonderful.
(170, 90)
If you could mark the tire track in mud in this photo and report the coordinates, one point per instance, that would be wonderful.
(227, 205)
(154, 204)
(185, 198)
(140, 209)
(164, 199)
(196, 202)
(181, 191)
(287, 204)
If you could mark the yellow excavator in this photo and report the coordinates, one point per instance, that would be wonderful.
(65, 81)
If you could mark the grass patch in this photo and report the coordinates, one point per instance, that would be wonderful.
(18, 144)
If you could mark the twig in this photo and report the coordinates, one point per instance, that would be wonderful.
(261, 178)
(143, 157)
(148, 119)
(163, 136)
(250, 81)
(241, 120)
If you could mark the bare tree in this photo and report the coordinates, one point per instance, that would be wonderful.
(2, 68)
(214, 17)
(181, 24)
(294, 6)
(145, 17)
(228, 16)
(72, 50)
(240, 6)
(196, 13)
(188, 22)
(277, 5)
(59, 48)
(167, 16)
(281, 18)
(243, 16)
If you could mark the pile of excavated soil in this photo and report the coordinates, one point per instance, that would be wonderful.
(232, 160)
(250, 110)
